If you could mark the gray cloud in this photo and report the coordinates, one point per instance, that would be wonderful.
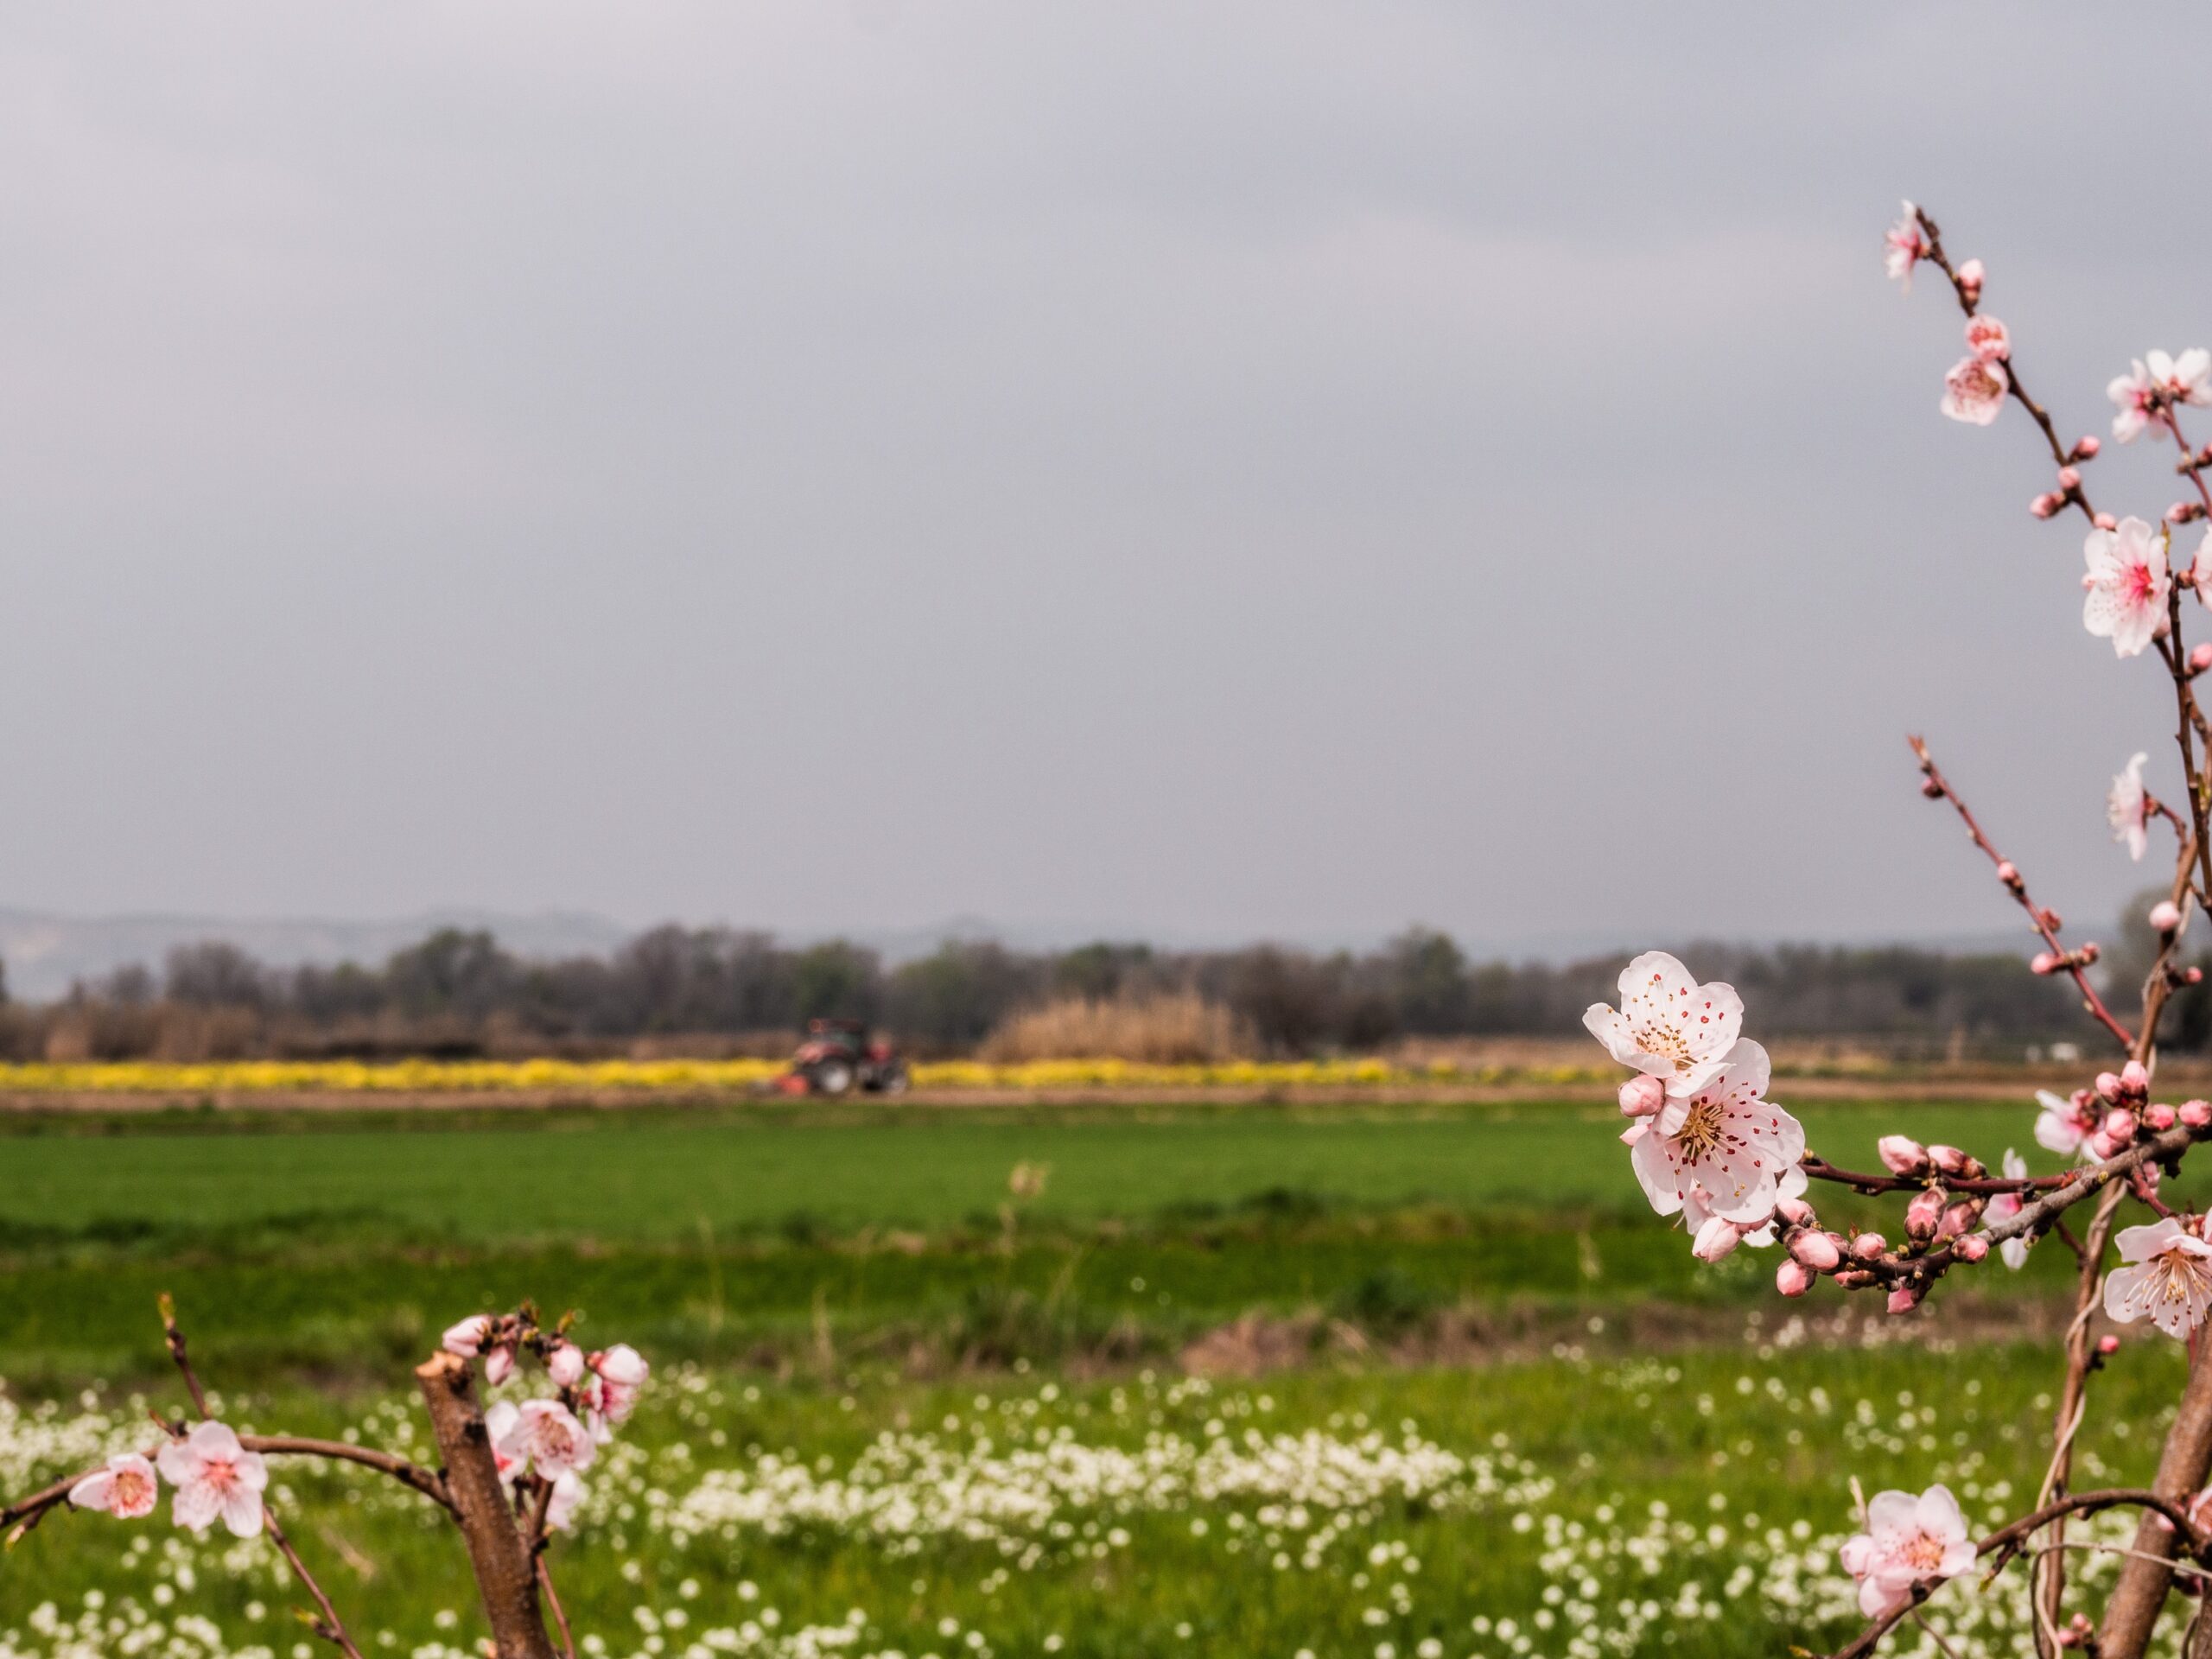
(1265, 469)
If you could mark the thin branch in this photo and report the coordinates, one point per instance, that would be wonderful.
(1938, 788)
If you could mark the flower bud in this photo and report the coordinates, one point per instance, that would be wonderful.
(2086, 450)
(1972, 1247)
(1958, 1218)
(2108, 1085)
(2198, 1114)
(1867, 1246)
(2159, 1117)
(2183, 513)
(2200, 656)
(1903, 1299)
(2192, 976)
(1924, 1214)
(2108, 1345)
(2106, 521)
(2069, 478)
(2008, 873)
(2134, 1084)
(1971, 277)
(2165, 916)
(1642, 1096)
(1902, 1156)
(1715, 1239)
(2086, 954)
(498, 1365)
(1792, 1278)
(2119, 1126)
(466, 1338)
(565, 1364)
(2046, 962)
(2043, 505)
(1818, 1252)
(1795, 1212)
(1949, 1159)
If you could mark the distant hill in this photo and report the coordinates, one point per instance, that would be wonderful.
(44, 953)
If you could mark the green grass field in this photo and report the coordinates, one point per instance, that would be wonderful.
(807, 1286)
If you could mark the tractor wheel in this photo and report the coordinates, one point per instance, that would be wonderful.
(832, 1077)
(895, 1079)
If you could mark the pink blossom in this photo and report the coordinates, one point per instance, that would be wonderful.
(2126, 583)
(2170, 1282)
(1986, 338)
(2158, 1117)
(1908, 1541)
(2134, 1084)
(499, 1364)
(126, 1488)
(214, 1475)
(499, 1429)
(545, 1436)
(2127, 808)
(2198, 1114)
(1793, 1278)
(618, 1376)
(1901, 1154)
(1669, 1027)
(560, 1508)
(2005, 1205)
(1725, 1146)
(1715, 1239)
(1903, 1299)
(1818, 1251)
(1972, 1247)
(466, 1339)
(2165, 916)
(1905, 246)
(2155, 380)
(565, 1364)
(1973, 390)
(1970, 277)
(1924, 1214)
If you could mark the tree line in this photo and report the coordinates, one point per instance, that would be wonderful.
(461, 993)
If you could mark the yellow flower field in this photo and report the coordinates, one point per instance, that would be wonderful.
(711, 1076)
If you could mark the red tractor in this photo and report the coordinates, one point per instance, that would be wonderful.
(838, 1056)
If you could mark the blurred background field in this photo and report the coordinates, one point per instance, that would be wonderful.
(1462, 1337)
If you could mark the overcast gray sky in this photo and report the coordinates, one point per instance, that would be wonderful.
(1250, 469)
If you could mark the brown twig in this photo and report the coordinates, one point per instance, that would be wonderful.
(1937, 787)
(560, 1616)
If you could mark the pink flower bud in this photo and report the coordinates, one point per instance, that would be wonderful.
(2086, 450)
(2106, 521)
(2087, 954)
(1958, 1218)
(2160, 1118)
(1795, 1212)
(466, 1338)
(1949, 1159)
(1867, 1246)
(1715, 1239)
(1971, 276)
(2008, 873)
(1902, 1156)
(2043, 505)
(1818, 1252)
(1903, 1299)
(1792, 1279)
(2192, 976)
(2119, 1126)
(2108, 1345)
(2069, 478)
(2108, 1085)
(2134, 1083)
(2046, 962)
(2198, 1114)
(2181, 511)
(2165, 916)
(1643, 1095)
(498, 1365)
(1922, 1215)
(2102, 1145)
(1972, 1247)
(2200, 656)
(565, 1364)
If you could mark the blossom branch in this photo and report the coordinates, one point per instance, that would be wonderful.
(1937, 787)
